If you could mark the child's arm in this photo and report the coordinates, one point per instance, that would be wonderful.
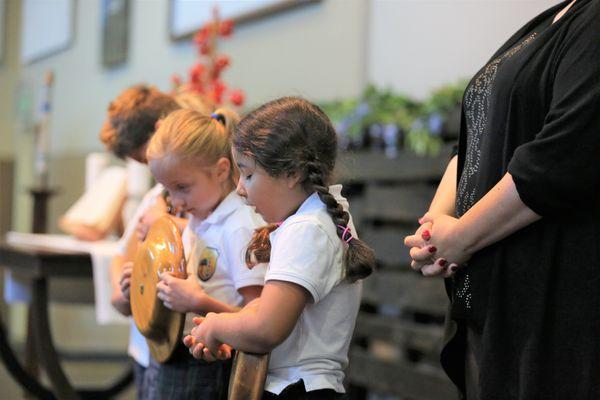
(258, 328)
(118, 299)
(250, 293)
(187, 295)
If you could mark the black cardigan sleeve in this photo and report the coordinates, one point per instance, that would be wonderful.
(559, 170)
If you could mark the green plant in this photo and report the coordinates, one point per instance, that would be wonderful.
(387, 107)
(445, 97)
(422, 122)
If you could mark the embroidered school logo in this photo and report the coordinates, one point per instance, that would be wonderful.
(208, 263)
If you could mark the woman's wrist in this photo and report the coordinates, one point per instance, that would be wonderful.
(466, 238)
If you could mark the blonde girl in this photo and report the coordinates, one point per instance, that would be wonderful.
(190, 155)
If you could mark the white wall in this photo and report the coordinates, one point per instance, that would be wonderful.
(415, 46)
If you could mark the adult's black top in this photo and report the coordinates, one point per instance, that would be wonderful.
(534, 298)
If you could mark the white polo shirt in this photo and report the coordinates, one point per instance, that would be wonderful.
(307, 251)
(217, 245)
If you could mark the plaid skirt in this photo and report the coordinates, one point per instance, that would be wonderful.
(145, 381)
(185, 378)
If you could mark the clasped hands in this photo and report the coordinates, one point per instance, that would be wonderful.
(202, 343)
(437, 248)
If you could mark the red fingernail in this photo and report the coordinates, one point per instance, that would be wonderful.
(426, 235)
(454, 268)
(432, 249)
(442, 262)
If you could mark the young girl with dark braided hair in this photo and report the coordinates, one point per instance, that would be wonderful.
(305, 316)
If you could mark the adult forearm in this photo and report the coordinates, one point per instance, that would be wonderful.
(498, 214)
(443, 202)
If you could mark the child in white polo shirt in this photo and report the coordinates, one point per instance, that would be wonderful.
(305, 317)
(190, 155)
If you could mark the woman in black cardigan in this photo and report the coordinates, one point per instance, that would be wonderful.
(515, 223)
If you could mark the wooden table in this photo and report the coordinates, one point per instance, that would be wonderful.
(38, 265)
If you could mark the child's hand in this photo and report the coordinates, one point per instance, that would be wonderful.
(197, 350)
(202, 342)
(120, 303)
(181, 295)
(154, 212)
(125, 281)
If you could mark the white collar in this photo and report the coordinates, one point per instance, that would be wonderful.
(225, 208)
(313, 202)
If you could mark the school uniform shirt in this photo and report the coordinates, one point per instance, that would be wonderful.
(138, 348)
(307, 251)
(215, 250)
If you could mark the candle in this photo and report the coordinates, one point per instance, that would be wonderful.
(42, 134)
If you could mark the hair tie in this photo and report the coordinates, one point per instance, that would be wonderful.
(345, 233)
(218, 117)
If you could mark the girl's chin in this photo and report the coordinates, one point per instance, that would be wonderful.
(198, 214)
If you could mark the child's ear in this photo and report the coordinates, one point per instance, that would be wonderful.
(223, 169)
(293, 179)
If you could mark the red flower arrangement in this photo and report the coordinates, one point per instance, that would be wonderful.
(204, 77)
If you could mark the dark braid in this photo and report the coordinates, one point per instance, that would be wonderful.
(259, 249)
(335, 209)
(291, 135)
(359, 258)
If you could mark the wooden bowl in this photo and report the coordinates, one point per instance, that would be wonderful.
(161, 251)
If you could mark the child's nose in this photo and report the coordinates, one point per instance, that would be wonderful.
(177, 202)
(240, 190)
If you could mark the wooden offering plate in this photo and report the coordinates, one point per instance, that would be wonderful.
(161, 251)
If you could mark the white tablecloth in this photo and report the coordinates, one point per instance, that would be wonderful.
(101, 253)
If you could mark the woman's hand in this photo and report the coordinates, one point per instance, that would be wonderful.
(435, 248)
(202, 342)
(181, 295)
(449, 244)
(417, 242)
(125, 281)
(154, 212)
(498, 214)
